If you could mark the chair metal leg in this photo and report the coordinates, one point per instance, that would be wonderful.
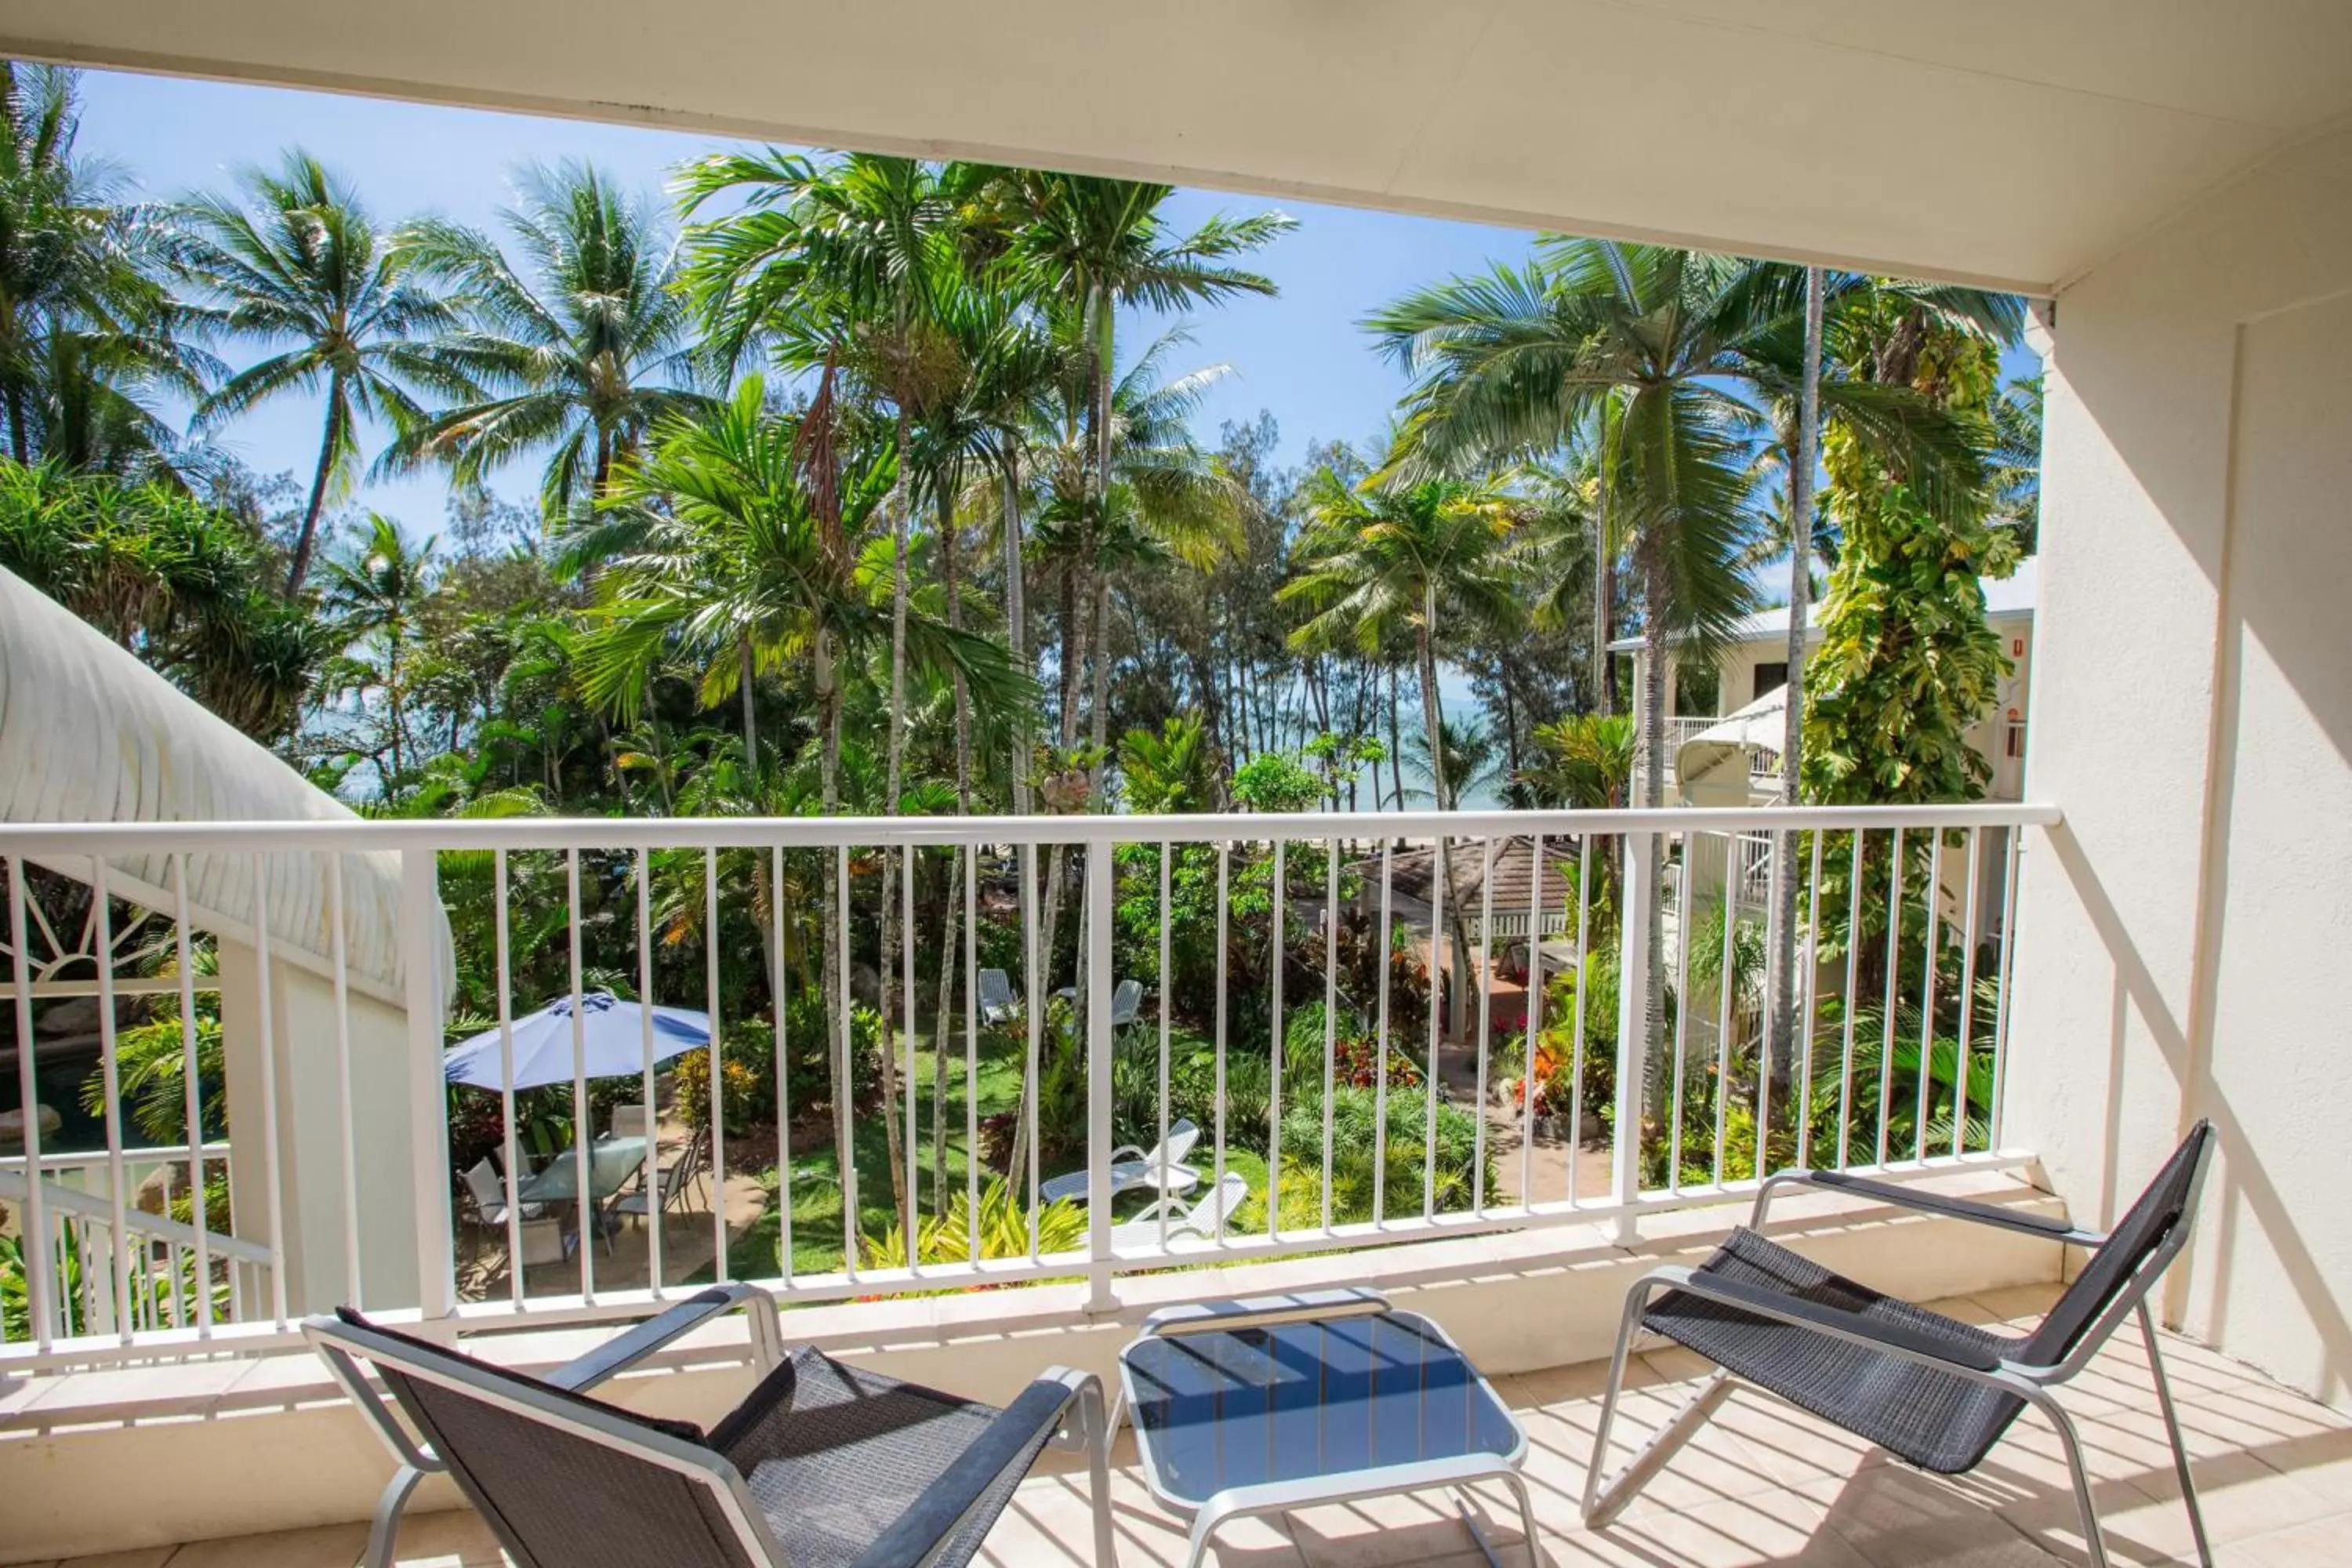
(1097, 1428)
(384, 1528)
(1603, 1503)
(2172, 1430)
(2095, 1545)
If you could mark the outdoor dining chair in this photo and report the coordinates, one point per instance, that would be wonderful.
(671, 1181)
(1926, 1388)
(823, 1466)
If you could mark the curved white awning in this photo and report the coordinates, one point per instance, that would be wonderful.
(88, 733)
(1725, 750)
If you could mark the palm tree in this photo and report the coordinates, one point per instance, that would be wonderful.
(1515, 360)
(1378, 559)
(583, 348)
(377, 594)
(84, 322)
(1093, 245)
(300, 268)
(1472, 760)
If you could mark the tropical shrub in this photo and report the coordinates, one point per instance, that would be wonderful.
(1002, 1226)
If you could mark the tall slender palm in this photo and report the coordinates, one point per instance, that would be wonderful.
(376, 595)
(299, 267)
(840, 265)
(1095, 246)
(580, 344)
(1516, 358)
(1378, 559)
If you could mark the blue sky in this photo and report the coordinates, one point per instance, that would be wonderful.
(1300, 356)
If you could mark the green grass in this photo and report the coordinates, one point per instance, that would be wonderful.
(816, 1174)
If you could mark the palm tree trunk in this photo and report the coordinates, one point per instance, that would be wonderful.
(946, 532)
(1017, 633)
(1432, 715)
(1781, 1009)
(306, 542)
(1655, 652)
(750, 711)
(832, 938)
(1605, 674)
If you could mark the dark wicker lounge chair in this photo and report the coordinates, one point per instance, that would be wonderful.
(823, 1465)
(1932, 1391)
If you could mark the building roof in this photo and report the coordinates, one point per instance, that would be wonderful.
(1413, 874)
(2005, 598)
(88, 733)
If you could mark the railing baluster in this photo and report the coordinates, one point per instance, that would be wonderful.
(1812, 958)
(1225, 906)
(263, 980)
(1968, 931)
(972, 1048)
(1030, 1087)
(110, 1066)
(1686, 912)
(1534, 1022)
(41, 1262)
(1852, 982)
(191, 1096)
(1999, 1108)
(649, 1171)
(1101, 874)
(1485, 1017)
(1437, 1003)
(1330, 1011)
(1734, 850)
(351, 1170)
(584, 1128)
(1162, 1184)
(718, 1063)
(1927, 993)
(1274, 1098)
(1895, 880)
(509, 1136)
(783, 1072)
(914, 1138)
(844, 1145)
(1384, 948)
(1576, 1069)
(1640, 850)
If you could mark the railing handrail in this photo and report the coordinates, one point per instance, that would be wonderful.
(162, 1227)
(35, 840)
(98, 1159)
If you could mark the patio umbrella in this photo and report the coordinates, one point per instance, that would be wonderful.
(613, 1036)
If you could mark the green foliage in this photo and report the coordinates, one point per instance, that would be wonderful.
(1171, 772)
(1356, 1167)
(1002, 1227)
(1275, 781)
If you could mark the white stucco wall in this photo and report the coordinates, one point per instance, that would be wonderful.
(2183, 935)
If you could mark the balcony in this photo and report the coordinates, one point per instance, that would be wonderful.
(1517, 1202)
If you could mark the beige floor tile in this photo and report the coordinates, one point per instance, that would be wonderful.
(453, 1538)
(333, 1546)
(1897, 1518)
(2022, 1304)
(142, 1557)
(2323, 1543)
(1392, 1533)
(1778, 1528)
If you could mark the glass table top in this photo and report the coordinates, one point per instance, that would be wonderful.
(1299, 1401)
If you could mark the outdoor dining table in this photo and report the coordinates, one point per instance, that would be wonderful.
(611, 1163)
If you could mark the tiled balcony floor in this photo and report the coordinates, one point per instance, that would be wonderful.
(1764, 1484)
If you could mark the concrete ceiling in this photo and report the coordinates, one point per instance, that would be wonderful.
(2007, 141)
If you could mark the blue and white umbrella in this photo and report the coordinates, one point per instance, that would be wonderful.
(612, 1042)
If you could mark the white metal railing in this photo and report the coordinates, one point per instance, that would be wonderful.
(1763, 764)
(1408, 1115)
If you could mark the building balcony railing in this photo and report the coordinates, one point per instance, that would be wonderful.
(1077, 984)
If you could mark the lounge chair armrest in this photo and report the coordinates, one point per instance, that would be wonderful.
(1904, 1195)
(1803, 1312)
(624, 1350)
(1125, 1150)
(1013, 1438)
